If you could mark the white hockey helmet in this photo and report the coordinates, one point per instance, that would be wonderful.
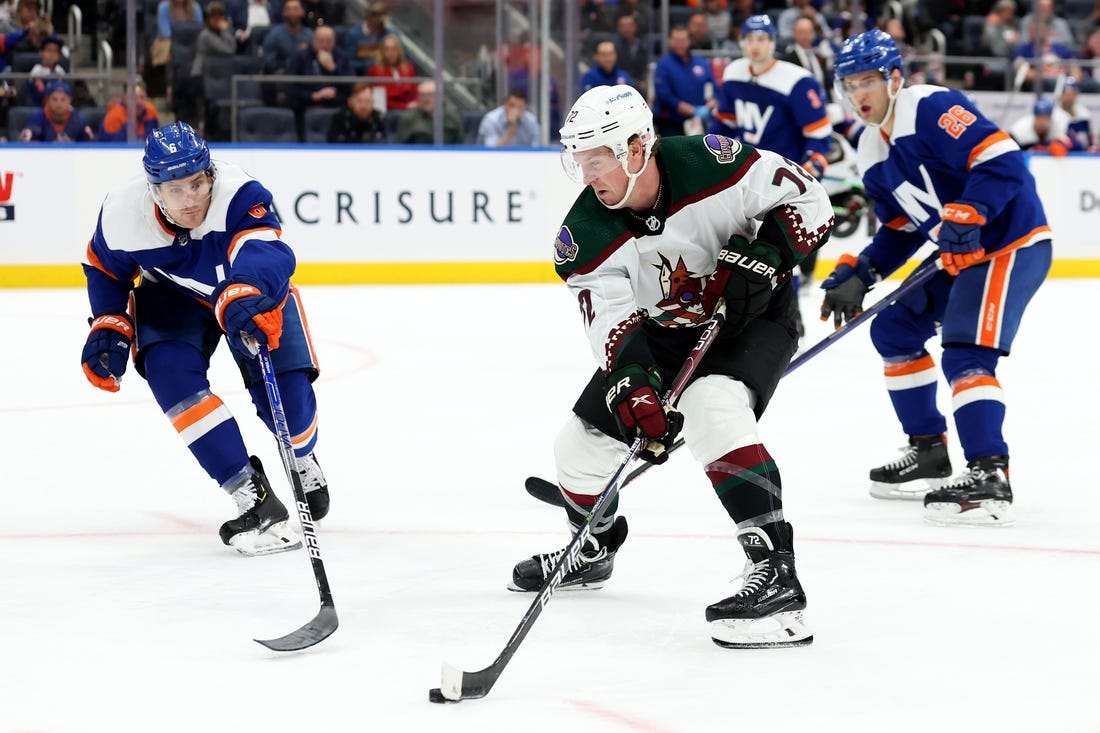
(607, 116)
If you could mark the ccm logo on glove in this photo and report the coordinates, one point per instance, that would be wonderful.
(745, 262)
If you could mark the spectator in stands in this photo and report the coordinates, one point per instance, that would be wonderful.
(7, 16)
(322, 59)
(1001, 32)
(718, 21)
(57, 121)
(417, 124)
(40, 29)
(363, 42)
(244, 15)
(322, 12)
(784, 26)
(216, 39)
(390, 63)
(176, 10)
(595, 17)
(699, 33)
(1079, 129)
(49, 65)
(639, 10)
(113, 128)
(803, 52)
(1045, 60)
(510, 124)
(605, 70)
(1090, 76)
(680, 83)
(359, 121)
(26, 13)
(1043, 130)
(632, 52)
(1058, 31)
(287, 39)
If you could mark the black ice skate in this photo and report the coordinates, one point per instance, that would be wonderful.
(262, 527)
(315, 486)
(980, 497)
(597, 560)
(767, 611)
(925, 466)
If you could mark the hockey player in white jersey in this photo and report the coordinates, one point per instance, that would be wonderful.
(638, 250)
(183, 256)
(938, 170)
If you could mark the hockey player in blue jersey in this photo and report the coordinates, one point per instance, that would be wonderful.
(938, 170)
(774, 104)
(182, 256)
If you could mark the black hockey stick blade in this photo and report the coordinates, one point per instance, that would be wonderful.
(543, 490)
(317, 630)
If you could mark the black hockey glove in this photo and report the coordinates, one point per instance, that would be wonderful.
(752, 270)
(632, 398)
(845, 288)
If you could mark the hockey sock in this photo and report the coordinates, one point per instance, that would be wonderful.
(977, 399)
(578, 506)
(300, 406)
(748, 484)
(176, 374)
(911, 382)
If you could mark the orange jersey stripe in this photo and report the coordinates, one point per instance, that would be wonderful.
(904, 368)
(815, 126)
(981, 147)
(193, 414)
(898, 223)
(244, 235)
(978, 380)
(993, 302)
(95, 262)
(297, 298)
(306, 435)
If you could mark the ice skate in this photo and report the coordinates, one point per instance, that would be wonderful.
(262, 527)
(924, 466)
(767, 611)
(980, 497)
(315, 485)
(597, 560)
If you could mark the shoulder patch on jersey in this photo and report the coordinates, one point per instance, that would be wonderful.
(565, 249)
(258, 211)
(724, 149)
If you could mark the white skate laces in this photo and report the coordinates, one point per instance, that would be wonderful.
(245, 497)
(310, 471)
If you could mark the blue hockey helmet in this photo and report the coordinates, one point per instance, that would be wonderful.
(174, 151)
(874, 50)
(758, 24)
(1043, 106)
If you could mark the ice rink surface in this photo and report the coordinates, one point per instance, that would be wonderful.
(122, 611)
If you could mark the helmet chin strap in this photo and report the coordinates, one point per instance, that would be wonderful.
(632, 179)
(889, 107)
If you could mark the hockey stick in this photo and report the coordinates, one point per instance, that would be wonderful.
(458, 685)
(325, 622)
(548, 492)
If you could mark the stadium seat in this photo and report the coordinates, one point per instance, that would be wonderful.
(267, 125)
(316, 124)
(471, 121)
(17, 117)
(94, 116)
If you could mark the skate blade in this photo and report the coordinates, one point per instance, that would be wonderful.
(276, 538)
(986, 514)
(908, 491)
(591, 585)
(773, 632)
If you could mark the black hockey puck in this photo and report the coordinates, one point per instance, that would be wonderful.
(436, 695)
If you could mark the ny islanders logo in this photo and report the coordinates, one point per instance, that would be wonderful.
(565, 249)
(683, 290)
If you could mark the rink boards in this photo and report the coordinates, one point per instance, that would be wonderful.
(382, 214)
